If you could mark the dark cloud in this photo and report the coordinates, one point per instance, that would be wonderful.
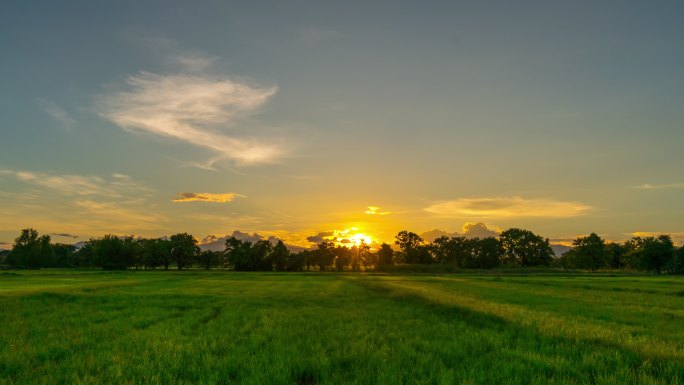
(321, 237)
(64, 235)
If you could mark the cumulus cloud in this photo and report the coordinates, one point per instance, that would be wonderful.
(113, 186)
(505, 207)
(57, 113)
(647, 186)
(478, 230)
(205, 197)
(192, 108)
(375, 210)
(470, 230)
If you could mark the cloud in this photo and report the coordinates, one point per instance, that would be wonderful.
(430, 236)
(321, 237)
(114, 186)
(194, 109)
(677, 237)
(64, 235)
(57, 113)
(647, 186)
(479, 230)
(205, 197)
(470, 230)
(375, 210)
(506, 207)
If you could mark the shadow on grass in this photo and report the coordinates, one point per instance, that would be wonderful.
(557, 348)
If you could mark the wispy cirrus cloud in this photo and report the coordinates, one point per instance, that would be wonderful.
(193, 108)
(375, 210)
(205, 197)
(506, 207)
(113, 186)
(57, 113)
(648, 186)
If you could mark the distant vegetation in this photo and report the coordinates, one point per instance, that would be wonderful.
(512, 248)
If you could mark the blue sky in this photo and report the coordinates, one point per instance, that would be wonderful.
(153, 118)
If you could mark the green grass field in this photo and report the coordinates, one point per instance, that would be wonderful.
(71, 327)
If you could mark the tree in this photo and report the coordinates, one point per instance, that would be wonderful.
(524, 248)
(486, 253)
(455, 250)
(676, 265)
(385, 255)
(280, 255)
(156, 252)
(651, 253)
(615, 255)
(31, 250)
(110, 253)
(412, 248)
(589, 252)
(209, 259)
(184, 250)
(63, 255)
(324, 255)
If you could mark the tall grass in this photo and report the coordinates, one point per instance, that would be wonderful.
(269, 328)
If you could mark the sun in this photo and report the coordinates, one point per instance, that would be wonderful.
(359, 238)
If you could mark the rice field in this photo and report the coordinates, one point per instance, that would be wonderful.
(217, 327)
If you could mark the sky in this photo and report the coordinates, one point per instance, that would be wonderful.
(312, 120)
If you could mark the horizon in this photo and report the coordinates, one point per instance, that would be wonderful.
(357, 122)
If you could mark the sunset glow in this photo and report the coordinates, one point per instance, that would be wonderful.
(302, 126)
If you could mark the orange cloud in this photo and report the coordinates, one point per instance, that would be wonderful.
(205, 197)
(506, 207)
(375, 210)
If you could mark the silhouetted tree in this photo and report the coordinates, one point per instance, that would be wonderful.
(651, 253)
(524, 248)
(589, 252)
(280, 255)
(455, 250)
(110, 252)
(209, 259)
(297, 261)
(385, 255)
(615, 255)
(31, 250)
(324, 255)
(486, 253)
(184, 250)
(412, 248)
(676, 265)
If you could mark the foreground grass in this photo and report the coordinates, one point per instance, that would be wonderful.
(257, 328)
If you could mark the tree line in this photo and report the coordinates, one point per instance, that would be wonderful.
(512, 248)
